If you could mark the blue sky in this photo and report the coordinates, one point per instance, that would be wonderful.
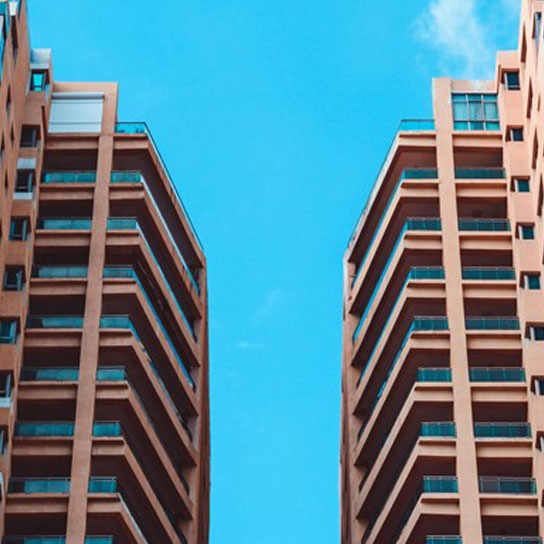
(273, 117)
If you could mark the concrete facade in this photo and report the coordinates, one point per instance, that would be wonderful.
(443, 336)
(104, 409)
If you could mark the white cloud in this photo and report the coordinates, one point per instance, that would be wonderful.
(269, 304)
(462, 40)
(247, 345)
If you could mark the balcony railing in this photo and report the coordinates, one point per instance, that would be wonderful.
(142, 128)
(480, 173)
(438, 429)
(69, 223)
(55, 540)
(484, 225)
(111, 374)
(69, 374)
(489, 273)
(415, 273)
(54, 322)
(492, 323)
(493, 374)
(44, 429)
(124, 322)
(126, 176)
(513, 486)
(433, 375)
(69, 177)
(59, 272)
(443, 540)
(512, 540)
(502, 430)
(107, 429)
(39, 485)
(102, 485)
(129, 273)
(419, 173)
(416, 124)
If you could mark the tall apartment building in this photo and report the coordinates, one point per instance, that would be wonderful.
(443, 339)
(104, 422)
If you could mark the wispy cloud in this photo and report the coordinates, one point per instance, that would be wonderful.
(454, 30)
(269, 304)
(246, 345)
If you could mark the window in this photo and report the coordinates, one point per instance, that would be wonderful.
(540, 198)
(8, 331)
(30, 136)
(475, 112)
(19, 229)
(8, 104)
(511, 81)
(14, 41)
(521, 185)
(526, 232)
(14, 278)
(25, 181)
(536, 332)
(530, 100)
(515, 134)
(531, 281)
(38, 80)
(537, 28)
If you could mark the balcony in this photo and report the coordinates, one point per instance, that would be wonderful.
(39, 485)
(68, 177)
(480, 173)
(511, 486)
(55, 540)
(54, 322)
(415, 273)
(143, 129)
(410, 125)
(124, 322)
(484, 225)
(496, 374)
(419, 173)
(107, 429)
(502, 430)
(69, 374)
(443, 540)
(126, 176)
(492, 323)
(512, 540)
(69, 223)
(433, 375)
(59, 272)
(438, 429)
(44, 429)
(411, 224)
(488, 273)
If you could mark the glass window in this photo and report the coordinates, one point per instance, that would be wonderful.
(18, 229)
(8, 331)
(527, 232)
(25, 181)
(511, 80)
(38, 80)
(521, 185)
(531, 281)
(536, 333)
(30, 136)
(14, 278)
(474, 111)
(538, 28)
(516, 134)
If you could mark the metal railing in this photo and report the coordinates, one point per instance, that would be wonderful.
(507, 485)
(488, 273)
(497, 374)
(492, 323)
(502, 430)
(69, 177)
(484, 225)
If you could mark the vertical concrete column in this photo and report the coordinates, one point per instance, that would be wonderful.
(88, 364)
(467, 470)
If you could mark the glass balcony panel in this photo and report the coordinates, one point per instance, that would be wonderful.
(111, 374)
(492, 323)
(433, 375)
(111, 428)
(54, 322)
(102, 485)
(123, 223)
(480, 173)
(482, 273)
(69, 177)
(493, 374)
(59, 272)
(416, 124)
(437, 429)
(64, 224)
(484, 225)
(49, 429)
(512, 540)
(507, 485)
(443, 540)
(440, 484)
(419, 173)
(34, 540)
(126, 177)
(39, 485)
(131, 128)
(502, 430)
(50, 374)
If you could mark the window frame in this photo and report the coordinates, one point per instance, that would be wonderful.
(19, 234)
(18, 272)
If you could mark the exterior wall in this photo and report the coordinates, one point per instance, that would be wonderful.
(480, 486)
(104, 403)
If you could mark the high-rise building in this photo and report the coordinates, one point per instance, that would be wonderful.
(443, 340)
(104, 420)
